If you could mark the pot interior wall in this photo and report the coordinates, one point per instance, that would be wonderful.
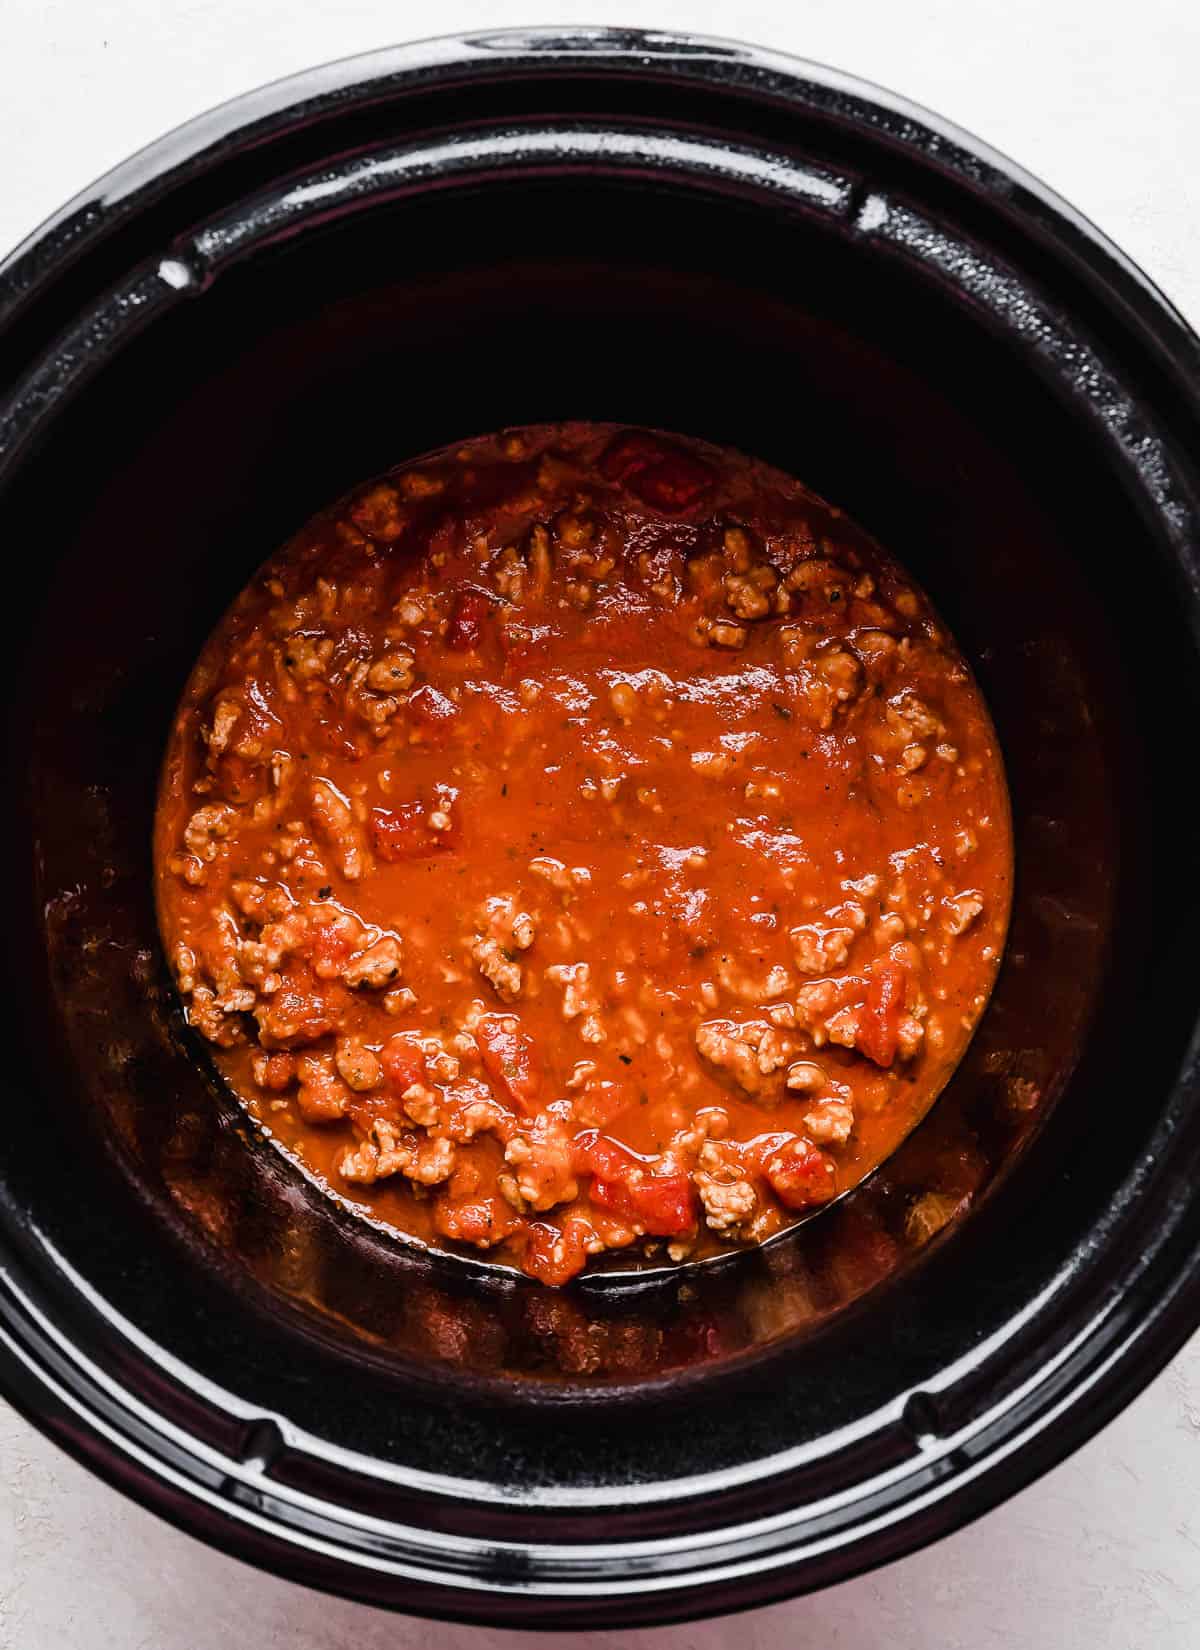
(197, 451)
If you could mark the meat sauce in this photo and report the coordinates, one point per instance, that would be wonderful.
(583, 839)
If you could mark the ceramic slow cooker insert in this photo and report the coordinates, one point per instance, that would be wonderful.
(404, 250)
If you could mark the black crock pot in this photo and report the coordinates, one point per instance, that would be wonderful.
(371, 260)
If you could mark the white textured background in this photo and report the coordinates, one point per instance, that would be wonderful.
(1100, 99)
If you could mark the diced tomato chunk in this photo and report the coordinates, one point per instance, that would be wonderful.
(665, 1204)
(610, 1195)
(367, 1109)
(759, 1151)
(277, 1072)
(662, 1203)
(510, 1060)
(879, 1019)
(552, 1255)
(800, 1174)
(482, 1221)
(329, 949)
(403, 1061)
(414, 830)
(598, 1154)
(432, 711)
(470, 609)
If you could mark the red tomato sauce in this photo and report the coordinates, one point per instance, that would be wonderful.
(584, 839)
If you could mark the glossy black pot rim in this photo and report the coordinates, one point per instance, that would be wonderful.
(229, 1499)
